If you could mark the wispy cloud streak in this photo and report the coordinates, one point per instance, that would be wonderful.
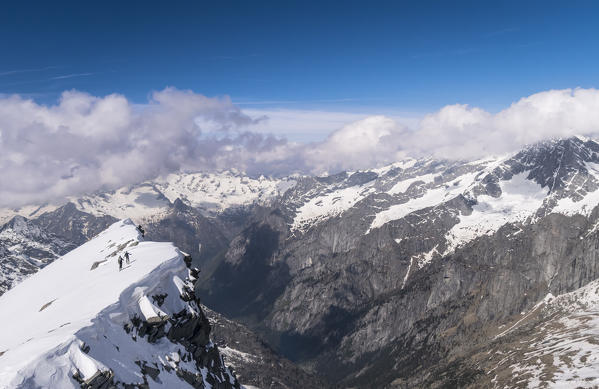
(19, 71)
(71, 76)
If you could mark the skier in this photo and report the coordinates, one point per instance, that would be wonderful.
(127, 257)
(120, 263)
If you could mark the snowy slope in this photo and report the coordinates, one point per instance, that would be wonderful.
(431, 197)
(138, 203)
(327, 205)
(519, 200)
(554, 345)
(71, 318)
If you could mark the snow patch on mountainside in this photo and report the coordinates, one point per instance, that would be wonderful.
(519, 199)
(328, 205)
(430, 198)
(403, 186)
(29, 211)
(403, 164)
(236, 357)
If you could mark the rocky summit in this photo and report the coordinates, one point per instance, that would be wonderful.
(423, 273)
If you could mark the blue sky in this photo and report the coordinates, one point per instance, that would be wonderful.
(322, 86)
(376, 57)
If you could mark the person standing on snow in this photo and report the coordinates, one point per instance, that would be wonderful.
(120, 263)
(127, 257)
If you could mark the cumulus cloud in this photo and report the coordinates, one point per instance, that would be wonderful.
(302, 125)
(464, 132)
(368, 142)
(460, 131)
(86, 143)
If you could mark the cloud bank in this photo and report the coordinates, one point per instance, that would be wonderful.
(86, 143)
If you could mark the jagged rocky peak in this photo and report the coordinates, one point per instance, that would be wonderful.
(23, 226)
(82, 321)
(553, 162)
(71, 224)
(563, 167)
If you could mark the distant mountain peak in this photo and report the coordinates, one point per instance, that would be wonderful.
(22, 226)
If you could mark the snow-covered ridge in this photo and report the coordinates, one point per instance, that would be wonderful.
(211, 193)
(471, 198)
(208, 192)
(323, 200)
(69, 318)
(216, 192)
(430, 198)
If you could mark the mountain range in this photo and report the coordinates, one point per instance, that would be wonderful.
(422, 273)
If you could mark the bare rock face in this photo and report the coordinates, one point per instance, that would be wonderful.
(254, 361)
(73, 225)
(392, 304)
(200, 236)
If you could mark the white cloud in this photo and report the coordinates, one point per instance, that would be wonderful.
(463, 132)
(85, 143)
(368, 142)
(302, 125)
(458, 132)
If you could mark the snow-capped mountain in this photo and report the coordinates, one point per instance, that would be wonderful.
(371, 268)
(158, 203)
(209, 193)
(465, 200)
(381, 277)
(82, 322)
